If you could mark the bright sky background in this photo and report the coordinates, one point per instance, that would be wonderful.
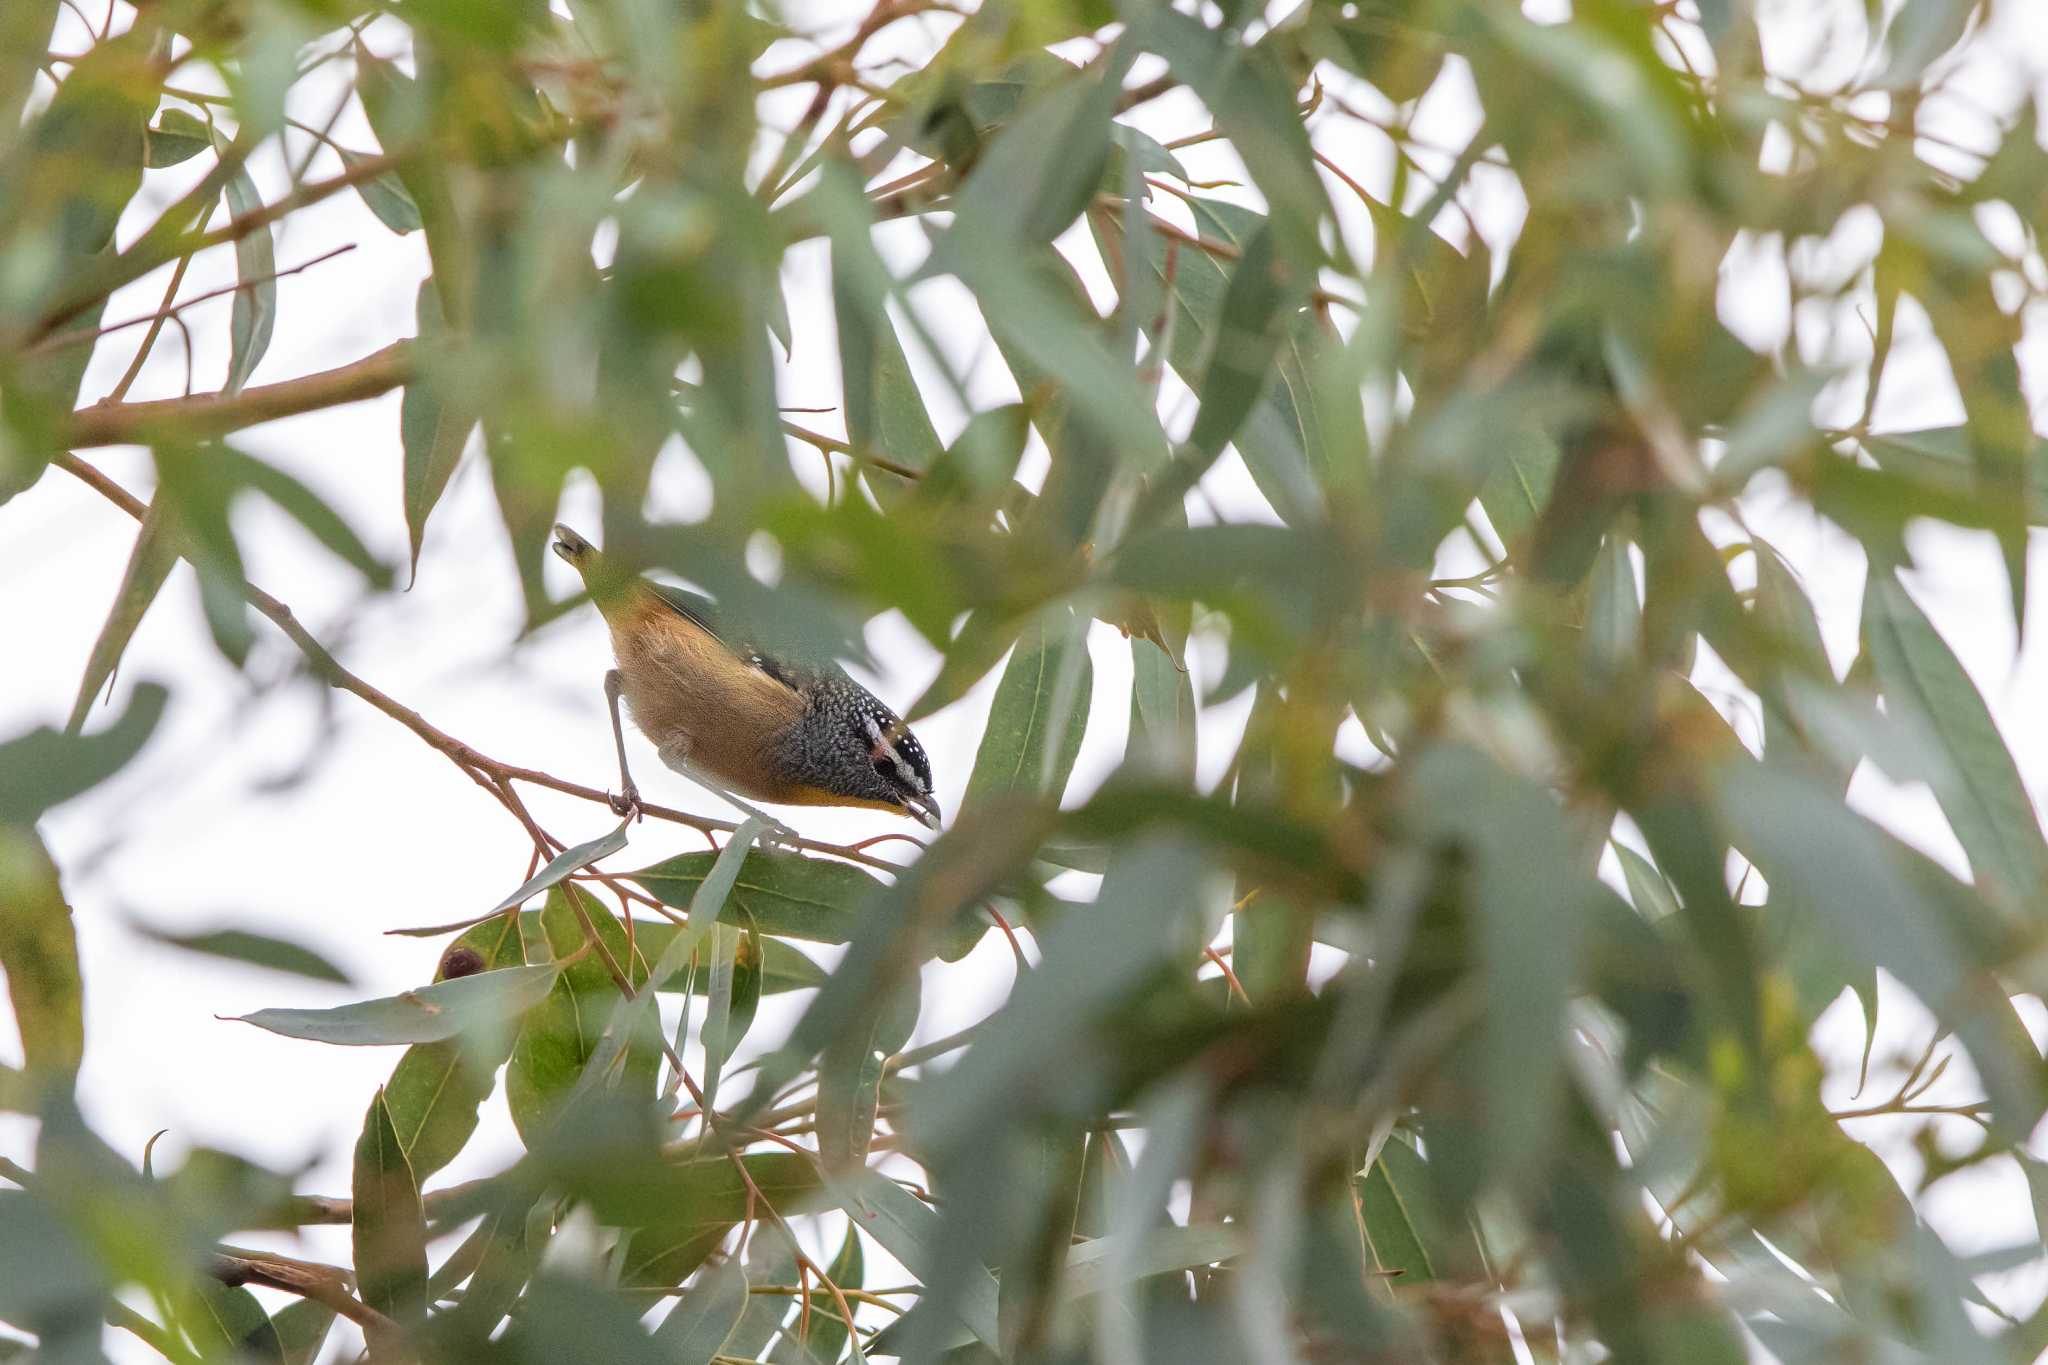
(305, 814)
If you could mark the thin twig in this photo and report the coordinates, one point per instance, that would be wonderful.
(156, 319)
(156, 329)
(323, 1284)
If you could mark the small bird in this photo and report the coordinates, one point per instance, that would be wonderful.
(738, 720)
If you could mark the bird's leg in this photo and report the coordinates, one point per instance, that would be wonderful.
(627, 802)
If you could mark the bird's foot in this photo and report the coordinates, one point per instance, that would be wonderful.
(626, 804)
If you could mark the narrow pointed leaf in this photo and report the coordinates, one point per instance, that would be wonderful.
(149, 563)
(428, 1015)
(388, 1225)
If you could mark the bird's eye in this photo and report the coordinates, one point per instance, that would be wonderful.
(884, 768)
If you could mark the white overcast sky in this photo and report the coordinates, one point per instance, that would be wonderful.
(307, 815)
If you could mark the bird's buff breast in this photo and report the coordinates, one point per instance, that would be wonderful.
(708, 713)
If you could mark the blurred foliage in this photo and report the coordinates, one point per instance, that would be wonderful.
(1481, 1032)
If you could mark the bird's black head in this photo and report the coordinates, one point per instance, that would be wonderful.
(896, 762)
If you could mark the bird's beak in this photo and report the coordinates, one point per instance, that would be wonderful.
(923, 809)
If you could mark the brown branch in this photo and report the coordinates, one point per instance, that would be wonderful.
(214, 414)
(323, 1284)
(836, 66)
(838, 447)
(1222, 251)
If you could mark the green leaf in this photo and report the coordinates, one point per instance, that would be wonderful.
(562, 864)
(1980, 791)
(175, 138)
(700, 1202)
(148, 565)
(237, 471)
(828, 1330)
(1035, 724)
(488, 1000)
(1529, 933)
(1141, 919)
(1614, 614)
(45, 768)
(562, 1033)
(1651, 894)
(254, 316)
(884, 410)
(785, 893)
(257, 950)
(25, 32)
(1390, 1232)
(734, 995)
(1043, 167)
(1920, 32)
(783, 966)
(384, 195)
(850, 1075)
(1163, 710)
(1253, 104)
(1883, 906)
(226, 1322)
(1283, 438)
(436, 1088)
(1249, 324)
(302, 1328)
(910, 1231)
(39, 954)
(389, 1227)
(434, 423)
(696, 1329)
(1517, 488)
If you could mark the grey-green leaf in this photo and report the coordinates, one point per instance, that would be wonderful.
(427, 1015)
(1981, 792)
(1035, 726)
(389, 1227)
(697, 1327)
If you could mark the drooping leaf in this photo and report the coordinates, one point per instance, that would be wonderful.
(254, 316)
(1528, 934)
(389, 1228)
(39, 954)
(1035, 724)
(910, 1231)
(850, 1081)
(1981, 792)
(884, 410)
(148, 565)
(385, 195)
(234, 471)
(696, 1329)
(45, 768)
(434, 423)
